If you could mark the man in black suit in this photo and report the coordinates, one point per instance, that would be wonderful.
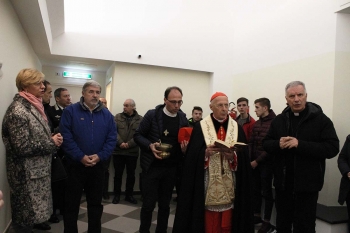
(63, 99)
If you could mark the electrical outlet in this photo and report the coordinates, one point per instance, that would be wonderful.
(57, 74)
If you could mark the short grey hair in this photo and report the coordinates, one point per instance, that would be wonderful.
(91, 83)
(293, 84)
(132, 102)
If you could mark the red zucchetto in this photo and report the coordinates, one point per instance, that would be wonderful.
(216, 94)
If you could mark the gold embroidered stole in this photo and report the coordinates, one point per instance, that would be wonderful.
(220, 186)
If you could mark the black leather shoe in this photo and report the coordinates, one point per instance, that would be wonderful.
(131, 199)
(105, 196)
(54, 219)
(116, 199)
(42, 226)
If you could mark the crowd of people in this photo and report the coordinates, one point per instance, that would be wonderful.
(222, 172)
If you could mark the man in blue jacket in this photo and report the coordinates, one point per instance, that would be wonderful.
(91, 137)
(300, 139)
(159, 175)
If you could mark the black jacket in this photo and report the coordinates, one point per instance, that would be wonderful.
(260, 129)
(317, 141)
(150, 131)
(55, 115)
(344, 168)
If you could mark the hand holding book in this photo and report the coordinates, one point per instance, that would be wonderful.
(224, 145)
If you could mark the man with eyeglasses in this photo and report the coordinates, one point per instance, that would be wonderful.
(216, 193)
(160, 125)
(244, 119)
(126, 152)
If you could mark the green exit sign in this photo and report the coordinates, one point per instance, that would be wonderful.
(68, 74)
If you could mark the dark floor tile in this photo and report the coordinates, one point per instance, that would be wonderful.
(105, 217)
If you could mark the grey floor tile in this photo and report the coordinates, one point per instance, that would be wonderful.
(120, 218)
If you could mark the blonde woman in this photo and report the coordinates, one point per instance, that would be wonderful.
(29, 146)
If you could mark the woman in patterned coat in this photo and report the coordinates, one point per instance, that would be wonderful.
(29, 146)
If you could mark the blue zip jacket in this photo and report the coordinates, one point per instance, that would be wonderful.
(87, 133)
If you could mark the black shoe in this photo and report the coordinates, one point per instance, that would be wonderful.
(257, 220)
(130, 199)
(54, 219)
(266, 227)
(42, 226)
(116, 199)
(105, 196)
(61, 212)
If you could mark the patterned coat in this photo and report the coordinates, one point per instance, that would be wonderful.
(29, 146)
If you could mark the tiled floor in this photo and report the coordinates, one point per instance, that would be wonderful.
(120, 218)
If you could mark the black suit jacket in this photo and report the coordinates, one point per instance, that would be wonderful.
(55, 115)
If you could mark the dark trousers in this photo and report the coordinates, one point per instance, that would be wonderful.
(348, 207)
(179, 170)
(262, 187)
(106, 170)
(157, 186)
(120, 162)
(297, 210)
(89, 179)
(58, 193)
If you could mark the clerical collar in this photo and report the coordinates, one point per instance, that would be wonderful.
(221, 121)
(300, 114)
(169, 113)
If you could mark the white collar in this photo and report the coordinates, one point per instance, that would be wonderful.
(219, 120)
(169, 113)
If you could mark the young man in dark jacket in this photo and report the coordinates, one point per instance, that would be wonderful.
(159, 174)
(300, 139)
(262, 173)
(244, 119)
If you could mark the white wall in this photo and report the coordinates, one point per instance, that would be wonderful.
(341, 100)
(223, 37)
(146, 85)
(16, 53)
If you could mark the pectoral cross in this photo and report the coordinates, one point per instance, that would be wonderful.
(166, 132)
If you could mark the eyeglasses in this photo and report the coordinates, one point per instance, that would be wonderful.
(174, 102)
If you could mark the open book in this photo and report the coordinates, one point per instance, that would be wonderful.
(221, 144)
